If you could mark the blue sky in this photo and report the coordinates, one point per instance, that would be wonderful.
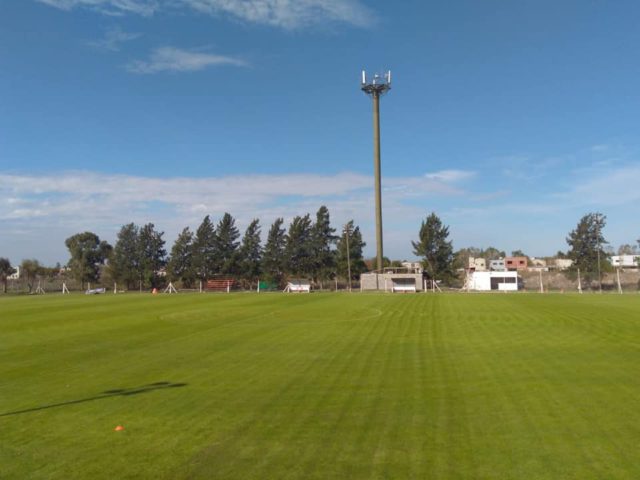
(510, 120)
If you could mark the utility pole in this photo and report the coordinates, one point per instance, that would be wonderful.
(347, 232)
(599, 273)
(375, 88)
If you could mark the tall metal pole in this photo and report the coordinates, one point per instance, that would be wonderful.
(376, 87)
(347, 232)
(599, 273)
(377, 175)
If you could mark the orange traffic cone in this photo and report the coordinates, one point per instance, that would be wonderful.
(119, 428)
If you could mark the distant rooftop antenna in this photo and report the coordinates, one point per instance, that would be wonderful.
(375, 88)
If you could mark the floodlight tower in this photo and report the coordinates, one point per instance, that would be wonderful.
(375, 88)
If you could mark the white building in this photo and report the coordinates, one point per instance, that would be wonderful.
(625, 261)
(563, 263)
(413, 267)
(488, 281)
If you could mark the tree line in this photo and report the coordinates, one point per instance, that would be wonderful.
(307, 248)
(139, 258)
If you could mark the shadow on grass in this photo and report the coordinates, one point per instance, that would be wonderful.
(120, 392)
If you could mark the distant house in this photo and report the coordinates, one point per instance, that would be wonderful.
(516, 263)
(625, 261)
(562, 263)
(497, 265)
(537, 262)
(477, 264)
(538, 265)
(413, 267)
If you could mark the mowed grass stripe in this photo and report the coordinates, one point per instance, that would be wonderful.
(289, 407)
(321, 386)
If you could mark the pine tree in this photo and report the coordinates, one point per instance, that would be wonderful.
(124, 264)
(299, 258)
(251, 252)
(322, 237)
(180, 265)
(204, 250)
(434, 248)
(273, 257)
(226, 242)
(152, 254)
(584, 243)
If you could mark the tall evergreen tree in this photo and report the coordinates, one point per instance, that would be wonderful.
(87, 253)
(5, 271)
(152, 254)
(434, 248)
(226, 241)
(180, 265)
(204, 250)
(251, 252)
(124, 263)
(323, 238)
(585, 241)
(299, 247)
(273, 265)
(352, 237)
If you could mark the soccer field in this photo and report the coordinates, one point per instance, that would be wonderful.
(249, 386)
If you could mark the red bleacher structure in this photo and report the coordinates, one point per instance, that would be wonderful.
(221, 284)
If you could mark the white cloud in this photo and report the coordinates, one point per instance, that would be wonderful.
(606, 187)
(113, 39)
(57, 205)
(287, 14)
(172, 59)
(58, 194)
(74, 201)
(450, 176)
(109, 7)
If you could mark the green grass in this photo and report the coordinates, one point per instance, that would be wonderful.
(320, 386)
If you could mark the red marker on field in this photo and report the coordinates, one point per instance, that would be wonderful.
(119, 428)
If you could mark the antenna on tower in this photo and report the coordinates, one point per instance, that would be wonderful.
(379, 84)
